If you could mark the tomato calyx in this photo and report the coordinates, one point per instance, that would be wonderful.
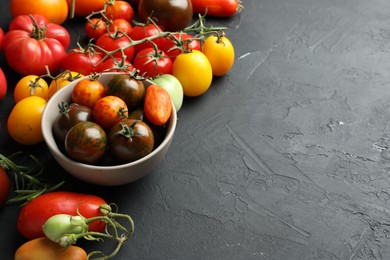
(128, 131)
(38, 33)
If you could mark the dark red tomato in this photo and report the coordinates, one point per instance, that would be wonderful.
(172, 15)
(109, 110)
(95, 27)
(82, 61)
(131, 90)
(114, 43)
(177, 42)
(157, 105)
(151, 62)
(140, 32)
(114, 65)
(35, 213)
(1, 38)
(120, 25)
(3, 85)
(130, 140)
(69, 115)
(5, 186)
(87, 92)
(86, 142)
(119, 9)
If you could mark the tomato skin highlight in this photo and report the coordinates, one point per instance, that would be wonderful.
(217, 8)
(157, 105)
(35, 213)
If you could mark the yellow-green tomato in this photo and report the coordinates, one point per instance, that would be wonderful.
(220, 52)
(173, 86)
(194, 72)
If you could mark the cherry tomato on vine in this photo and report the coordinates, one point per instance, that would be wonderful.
(3, 85)
(151, 62)
(120, 25)
(114, 64)
(81, 60)
(5, 186)
(31, 85)
(220, 52)
(62, 80)
(114, 43)
(95, 27)
(188, 67)
(108, 110)
(177, 42)
(141, 32)
(86, 7)
(87, 92)
(119, 9)
(24, 121)
(86, 142)
(130, 140)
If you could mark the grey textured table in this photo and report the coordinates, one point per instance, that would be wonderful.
(286, 157)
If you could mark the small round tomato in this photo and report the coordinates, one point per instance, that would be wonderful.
(62, 80)
(130, 140)
(87, 92)
(86, 142)
(141, 32)
(5, 186)
(220, 52)
(173, 86)
(31, 85)
(177, 42)
(151, 62)
(114, 43)
(24, 121)
(69, 115)
(114, 64)
(108, 110)
(81, 60)
(119, 9)
(131, 90)
(194, 72)
(95, 27)
(120, 25)
(86, 7)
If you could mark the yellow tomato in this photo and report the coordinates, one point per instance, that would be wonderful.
(56, 11)
(63, 80)
(31, 86)
(194, 72)
(24, 121)
(220, 52)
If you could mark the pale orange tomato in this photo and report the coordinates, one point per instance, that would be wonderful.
(220, 52)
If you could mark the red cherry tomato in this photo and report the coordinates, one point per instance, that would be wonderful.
(119, 9)
(95, 27)
(114, 43)
(3, 85)
(151, 62)
(1, 38)
(141, 32)
(120, 25)
(82, 61)
(175, 44)
(5, 186)
(114, 65)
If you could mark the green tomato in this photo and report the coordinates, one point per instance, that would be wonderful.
(173, 86)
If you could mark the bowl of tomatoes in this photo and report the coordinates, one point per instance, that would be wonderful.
(109, 129)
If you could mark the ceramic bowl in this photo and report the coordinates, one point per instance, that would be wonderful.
(102, 175)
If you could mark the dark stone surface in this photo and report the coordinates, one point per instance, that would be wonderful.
(286, 157)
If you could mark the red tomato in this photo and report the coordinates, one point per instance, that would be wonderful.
(176, 43)
(82, 61)
(95, 27)
(141, 32)
(5, 186)
(35, 213)
(114, 65)
(109, 110)
(87, 92)
(151, 63)
(120, 25)
(29, 51)
(114, 43)
(3, 85)
(218, 8)
(86, 7)
(157, 105)
(119, 9)
(1, 38)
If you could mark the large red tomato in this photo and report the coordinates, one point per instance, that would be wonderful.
(29, 48)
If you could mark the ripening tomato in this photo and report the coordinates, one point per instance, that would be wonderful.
(62, 80)
(220, 52)
(141, 32)
(151, 62)
(86, 142)
(5, 186)
(86, 7)
(87, 92)
(24, 121)
(173, 86)
(35, 213)
(114, 43)
(31, 85)
(177, 42)
(194, 72)
(108, 110)
(56, 11)
(157, 105)
(81, 60)
(44, 248)
(119, 10)
(3, 85)
(95, 27)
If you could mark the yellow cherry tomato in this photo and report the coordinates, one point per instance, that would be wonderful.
(62, 80)
(194, 72)
(31, 85)
(220, 52)
(24, 121)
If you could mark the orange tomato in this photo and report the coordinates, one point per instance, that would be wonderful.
(86, 7)
(56, 11)
(29, 86)
(220, 52)
(63, 80)
(24, 121)
(43, 248)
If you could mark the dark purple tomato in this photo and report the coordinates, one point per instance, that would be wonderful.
(69, 115)
(86, 142)
(129, 89)
(130, 140)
